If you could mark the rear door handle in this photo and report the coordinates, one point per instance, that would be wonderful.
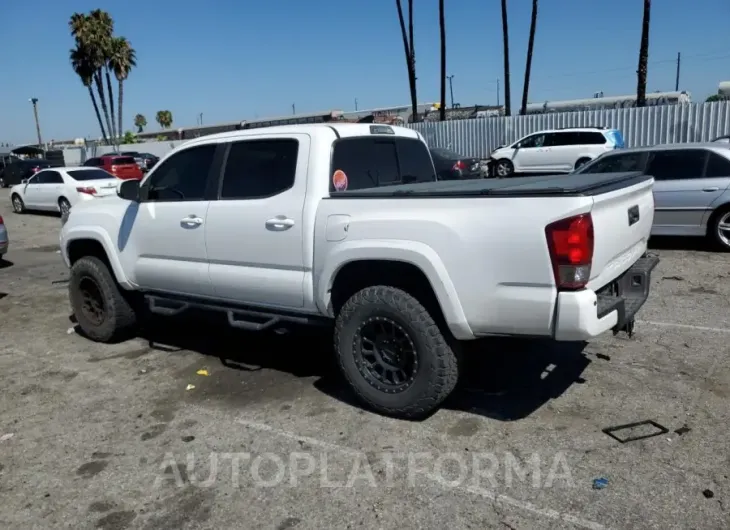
(279, 223)
(191, 220)
(714, 188)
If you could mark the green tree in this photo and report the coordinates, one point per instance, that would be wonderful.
(528, 62)
(140, 122)
(164, 118)
(129, 138)
(122, 59)
(641, 73)
(85, 70)
(715, 97)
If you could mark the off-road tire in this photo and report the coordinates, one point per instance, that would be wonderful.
(438, 371)
(120, 317)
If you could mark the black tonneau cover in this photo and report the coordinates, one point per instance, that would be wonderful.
(550, 185)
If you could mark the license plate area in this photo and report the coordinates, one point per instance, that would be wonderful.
(628, 292)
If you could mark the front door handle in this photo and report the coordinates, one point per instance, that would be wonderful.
(191, 221)
(279, 223)
(713, 188)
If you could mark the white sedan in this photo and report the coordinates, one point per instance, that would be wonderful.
(58, 189)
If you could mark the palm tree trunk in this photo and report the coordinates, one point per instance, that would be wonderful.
(505, 37)
(413, 78)
(528, 64)
(102, 99)
(98, 114)
(442, 28)
(643, 57)
(410, 57)
(119, 105)
(115, 133)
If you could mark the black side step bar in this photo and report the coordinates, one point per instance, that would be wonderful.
(237, 317)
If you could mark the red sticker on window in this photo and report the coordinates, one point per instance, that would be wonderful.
(339, 180)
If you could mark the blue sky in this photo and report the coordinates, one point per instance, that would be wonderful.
(233, 60)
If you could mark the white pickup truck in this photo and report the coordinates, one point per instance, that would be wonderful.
(346, 224)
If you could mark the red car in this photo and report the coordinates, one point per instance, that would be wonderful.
(122, 167)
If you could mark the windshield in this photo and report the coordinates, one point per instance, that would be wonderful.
(446, 153)
(90, 174)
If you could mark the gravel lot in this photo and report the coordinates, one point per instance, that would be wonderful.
(95, 436)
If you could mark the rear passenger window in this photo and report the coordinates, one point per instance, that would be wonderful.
(676, 165)
(718, 166)
(591, 138)
(415, 161)
(360, 163)
(257, 169)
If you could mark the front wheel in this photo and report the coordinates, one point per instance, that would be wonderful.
(504, 168)
(393, 354)
(102, 311)
(18, 204)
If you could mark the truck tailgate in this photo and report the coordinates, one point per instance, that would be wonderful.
(622, 222)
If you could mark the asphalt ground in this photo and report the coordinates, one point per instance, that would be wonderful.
(114, 437)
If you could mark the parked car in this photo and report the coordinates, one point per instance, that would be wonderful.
(554, 151)
(59, 189)
(18, 169)
(4, 241)
(123, 167)
(313, 224)
(723, 139)
(450, 165)
(145, 161)
(691, 186)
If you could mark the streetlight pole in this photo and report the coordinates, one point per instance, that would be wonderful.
(451, 88)
(34, 101)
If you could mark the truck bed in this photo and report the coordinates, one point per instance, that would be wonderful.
(577, 185)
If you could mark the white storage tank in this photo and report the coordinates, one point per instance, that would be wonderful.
(724, 89)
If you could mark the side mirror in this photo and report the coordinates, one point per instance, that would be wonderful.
(129, 190)
(24, 181)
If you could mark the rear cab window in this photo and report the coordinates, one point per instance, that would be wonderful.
(374, 161)
(122, 160)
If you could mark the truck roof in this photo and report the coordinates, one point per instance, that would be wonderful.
(342, 130)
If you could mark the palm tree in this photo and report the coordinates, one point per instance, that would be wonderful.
(104, 37)
(643, 57)
(164, 118)
(89, 34)
(410, 53)
(85, 71)
(528, 63)
(140, 122)
(442, 28)
(505, 37)
(121, 60)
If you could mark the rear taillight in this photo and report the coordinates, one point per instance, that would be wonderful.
(35, 170)
(570, 242)
(1, 220)
(459, 166)
(89, 191)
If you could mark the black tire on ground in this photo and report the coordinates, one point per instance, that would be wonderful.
(64, 207)
(119, 318)
(437, 371)
(503, 168)
(18, 204)
(581, 162)
(720, 238)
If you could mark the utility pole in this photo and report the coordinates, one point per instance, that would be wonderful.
(498, 91)
(355, 103)
(34, 101)
(293, 108)
(679, 62)
(451, 88)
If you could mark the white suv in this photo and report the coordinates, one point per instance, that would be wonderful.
(554, 151)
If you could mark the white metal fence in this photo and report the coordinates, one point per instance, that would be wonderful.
(699, 122)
